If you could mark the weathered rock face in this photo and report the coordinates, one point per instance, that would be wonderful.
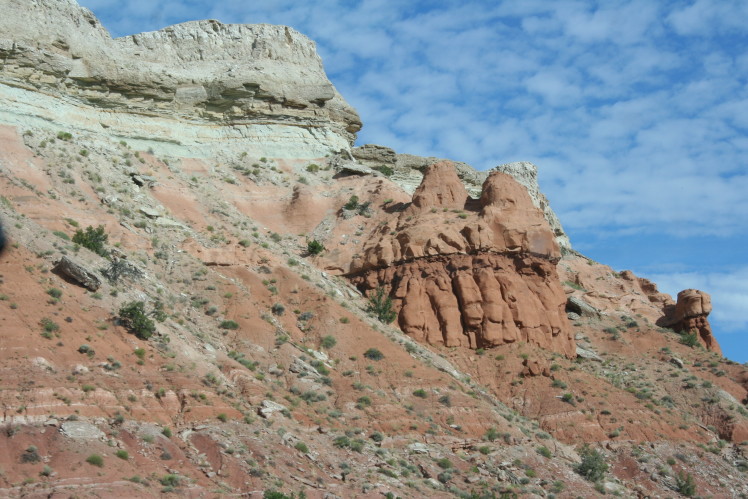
(252, 80)
(690, 316)
(526, 174)
(465, 272)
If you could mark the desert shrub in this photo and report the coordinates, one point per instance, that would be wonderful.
(685, 484)
(274, 494)
(544, 451)
(593, 466)
(328, 342)
(420, 393)
(314, 247)
(380, 304)
(92, 239)
(170, 480)
(122, 454)
(444, 463)
(312, 168)
(690, 340)
(228, 324)
(31, 455)
(352, 203)
(49, 325)
(385, 170)
(363, 402)
(376, 436)
(132, 315)
(342, 441)
(373, 354)
(95, 460)
(277, 309)
(445, 400)
(491, 434)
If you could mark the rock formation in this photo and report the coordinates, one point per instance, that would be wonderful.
(465, 272)
(526, 174)
(690, 316)
(257, 82)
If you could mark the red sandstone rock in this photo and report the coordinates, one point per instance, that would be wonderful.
(535, 367)
(690, 315)
(440, 188)
(480, 277)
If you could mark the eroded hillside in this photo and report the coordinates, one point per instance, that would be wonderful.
(267, 368)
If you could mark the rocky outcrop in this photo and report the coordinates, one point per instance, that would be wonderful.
(689, 315)
(526, 174)
(255, 81)
(466, 272)
(77, 273)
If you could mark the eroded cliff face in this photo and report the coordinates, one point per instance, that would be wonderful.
(187, 90)
(466, 272)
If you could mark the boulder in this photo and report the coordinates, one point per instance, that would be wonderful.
(77, 273)
(580, 307)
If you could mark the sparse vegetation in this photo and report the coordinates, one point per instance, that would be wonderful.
(132, 315)
(95, 460)
(380, 304)
(314, 247)
(92, 239)
(593, 466)
(373, 354)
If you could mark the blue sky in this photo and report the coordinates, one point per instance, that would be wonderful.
(635, 112)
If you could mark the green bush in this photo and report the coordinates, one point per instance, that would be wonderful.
(170, 480)
(132, 315)
(685, 484)
(95, 460)
(380, 304)
(352, 203)
(420, 393)
(690, 340)
(314, 247)
(92, 239)
(491, 434)
(444, 463)
(328, 342)
(301, 447)
(385, 170)
(122, 454)
(373, 354)
(229, 325)
(593, 466)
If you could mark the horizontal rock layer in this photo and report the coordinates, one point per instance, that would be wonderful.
(184, 84)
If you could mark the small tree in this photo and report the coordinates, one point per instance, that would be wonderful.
(380, 304)
(92, 239)
(685, 484)
(132, 315)
(352, 203)
(690, 340)
(314, 247)
(593, 466)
